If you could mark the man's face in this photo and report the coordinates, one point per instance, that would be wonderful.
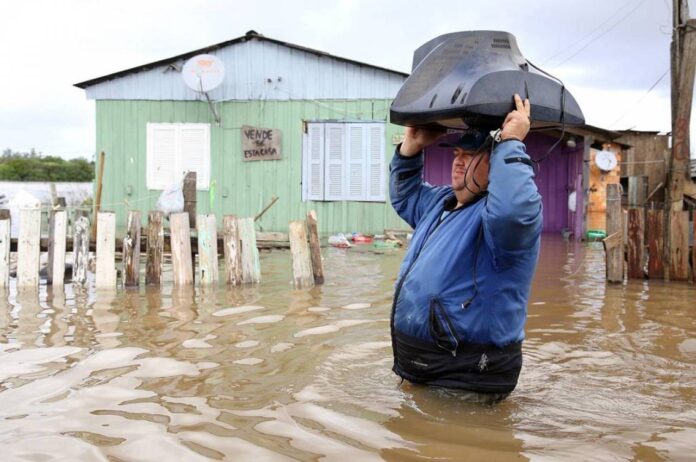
(470, 170)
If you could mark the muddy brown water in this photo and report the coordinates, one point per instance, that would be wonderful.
(269, 373)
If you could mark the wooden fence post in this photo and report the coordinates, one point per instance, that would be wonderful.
(637, 191)
(655, 236)
(615, 255)
(679, 264)
(232, 250)
(636, 233)
(131, 250)
(80, 250)
(4, 253)
(28, 248)
(57, 234)
(693, 253)
(315, 247)
(181, 249)
(251, 268)
(155, 248)
(189, 191)
(106, 249)
(301, 259)
(207, 249)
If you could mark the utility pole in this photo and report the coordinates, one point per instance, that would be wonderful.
(683, 67)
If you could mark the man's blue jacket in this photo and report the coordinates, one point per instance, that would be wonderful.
(460, 303)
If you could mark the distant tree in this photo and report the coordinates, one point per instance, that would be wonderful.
(33, 166)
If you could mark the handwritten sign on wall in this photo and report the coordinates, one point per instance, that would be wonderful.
(260, 143)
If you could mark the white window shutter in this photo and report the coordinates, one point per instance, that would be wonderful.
(194, 149)
(355, 162)
(315, 161)
(334, 162)
(161, 155)
(376, 189)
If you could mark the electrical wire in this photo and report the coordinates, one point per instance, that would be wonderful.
(652, 87)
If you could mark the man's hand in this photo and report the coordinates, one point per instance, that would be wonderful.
(517, 122)
(415, 139)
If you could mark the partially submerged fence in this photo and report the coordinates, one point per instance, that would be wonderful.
(238, 240)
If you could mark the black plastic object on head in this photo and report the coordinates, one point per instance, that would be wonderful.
(468, 79)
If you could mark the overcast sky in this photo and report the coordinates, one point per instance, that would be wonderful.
(609, 53)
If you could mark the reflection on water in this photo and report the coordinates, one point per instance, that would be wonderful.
(270, 373)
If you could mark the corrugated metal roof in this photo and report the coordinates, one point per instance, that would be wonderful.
(250, 35)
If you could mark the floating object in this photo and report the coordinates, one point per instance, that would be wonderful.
(594, 234)
(339, 240)
(387, 244)
(362, 239)
(468, 79)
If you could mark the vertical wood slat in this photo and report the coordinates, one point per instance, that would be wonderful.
(301, 259)
(315, 247)
(693, 253)
(679, 264)
(614, 225)
(131, 250)
(636, 233)
(206, 226)
(655, 237)
(57, 234)
(28, 248)
(232, 250)
(182, 263)
(106, 250)
(637, 190)
(80, 250)
(4, 253)
(189, 193)
(155, 248)
(251, 268)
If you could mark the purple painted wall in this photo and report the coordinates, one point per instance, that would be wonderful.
(557, 176)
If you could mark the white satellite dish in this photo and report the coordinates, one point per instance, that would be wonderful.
(203, 73)
(605, 160)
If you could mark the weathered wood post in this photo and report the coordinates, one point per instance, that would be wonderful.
(106, 248)
(131, 250)
(315, 247)
(232, 250)
(181, 249)
(207, 249)
(251, 268)
(636, 233)
(189, 191)
(679, 263)
(301, 259)
(655, 237)
(80, 250)
(57, 234)
(693, 253)
(4, 253)
(637, 191)
(28, 248)
(155, 248)
(97, 199)
(614, 225)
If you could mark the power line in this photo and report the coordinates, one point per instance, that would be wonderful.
(652, 87)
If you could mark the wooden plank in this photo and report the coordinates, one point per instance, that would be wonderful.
(637, 191)
(655, 238)
(251, 268)
(636, 233)
(5, 214)
(232, 251)
(189, 191)
(614, 225)
(57, 235)
(97, 200)
(182, 264)
(207, 249)
(301, 259)
(80, 250)
(315, 247)
(131, 250)
(611, 242)
(4, 253)
(693, 252)
(679, 264)
(106, 249)
(155, 248)
(28, 250)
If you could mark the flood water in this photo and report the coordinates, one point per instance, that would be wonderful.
(270, 373)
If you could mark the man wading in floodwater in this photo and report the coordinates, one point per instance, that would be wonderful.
(461, 297)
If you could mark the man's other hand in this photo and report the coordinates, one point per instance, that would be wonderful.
(415, 139)
(517, 122)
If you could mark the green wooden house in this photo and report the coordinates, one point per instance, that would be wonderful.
(286, 121)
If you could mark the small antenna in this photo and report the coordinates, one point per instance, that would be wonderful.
(204, 73)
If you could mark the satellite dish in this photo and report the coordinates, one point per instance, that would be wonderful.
(203, 73)
(605, 160)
